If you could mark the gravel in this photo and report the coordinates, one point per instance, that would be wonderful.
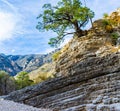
(6, 105)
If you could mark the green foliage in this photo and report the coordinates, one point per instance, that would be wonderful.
(115, 35)
(106, 22)
(3, 74)
(7, 83)
(66, 15)
(22, 80)
(107, 25)
(56, 55)
(105, 15)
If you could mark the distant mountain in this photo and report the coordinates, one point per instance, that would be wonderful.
(9, 66)
(16, 63)
(27, 62)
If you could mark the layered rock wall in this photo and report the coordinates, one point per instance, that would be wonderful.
(93, 84)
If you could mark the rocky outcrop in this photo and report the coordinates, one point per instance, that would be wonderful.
(79, 49)
(97, 43)
(115, 17)
(92, 84)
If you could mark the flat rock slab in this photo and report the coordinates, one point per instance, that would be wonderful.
(6, 105)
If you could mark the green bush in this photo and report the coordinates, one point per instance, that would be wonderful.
(106, 22)
(114, 36)
(107, 25)
(22, 80)
(3, 74)
(7, 83)
(105, 15)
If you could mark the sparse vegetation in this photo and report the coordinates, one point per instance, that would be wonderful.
(105, 15)
(43, 77)
(56, 55)
(43, 73)
(106, 22)
(109, 28)
(114, 36)
(107, 25)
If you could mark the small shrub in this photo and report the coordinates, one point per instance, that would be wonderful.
(107, 25)
(56, 55)
(115, 36)
(109, 28)
(43, 77)
(105, 15)
(22, 80)
(106, 22)
(43, 69)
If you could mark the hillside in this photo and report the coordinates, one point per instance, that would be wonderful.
(17, 63)
(87, 70)
(44, 72)
(27, 62)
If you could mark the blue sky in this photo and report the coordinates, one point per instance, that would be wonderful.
(18, 34)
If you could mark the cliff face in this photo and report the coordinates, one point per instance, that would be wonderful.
(88, 71)
(94, 85)
(98, 42)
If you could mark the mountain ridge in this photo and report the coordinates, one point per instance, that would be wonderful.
(14, 64)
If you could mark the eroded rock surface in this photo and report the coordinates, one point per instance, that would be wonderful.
(95, 80)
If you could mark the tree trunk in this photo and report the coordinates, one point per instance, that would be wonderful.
(91, 22)
(78, 31)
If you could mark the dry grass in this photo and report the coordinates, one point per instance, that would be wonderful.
(43, 73)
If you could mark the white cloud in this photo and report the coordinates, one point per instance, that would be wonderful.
(9, 20)
(13, 50)
(7, 25)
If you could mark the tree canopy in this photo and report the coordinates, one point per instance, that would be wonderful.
(67, 15)
(7, 83)
(22, 80)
